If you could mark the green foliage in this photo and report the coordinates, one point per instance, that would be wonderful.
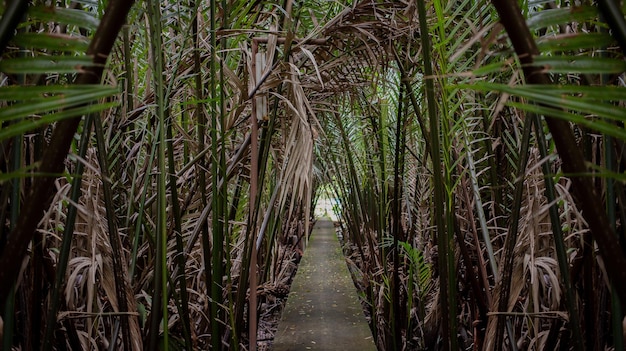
(554, 17)
(417, 263)
(33, 107)
(36, 111)
(51, 41)
(414, 115)
(66, 16)
(589, 106)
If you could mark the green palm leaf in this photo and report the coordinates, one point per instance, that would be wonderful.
(28, 125)
(580, 64)
(595, 101)
(52, 41)
(552, 17)
(577, 41)
(45, 64)
(32, 107)
(67, 16)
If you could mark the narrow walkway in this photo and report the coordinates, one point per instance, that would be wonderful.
(323, 311)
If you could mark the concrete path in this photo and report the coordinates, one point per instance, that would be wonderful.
(323, 311)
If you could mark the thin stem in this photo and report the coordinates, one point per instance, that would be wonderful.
(160, 300)
(440, 200)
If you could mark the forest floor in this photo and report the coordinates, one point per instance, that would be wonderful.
(323, 311)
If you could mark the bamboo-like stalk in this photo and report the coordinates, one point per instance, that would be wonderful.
(444, 114)
(381, 139)
(223, 210)
(16, 201)
(16, 185)
(129, 88)
(397, 316)
(446, 256)
(219, 199)
(610, 163)
(138, 232)
(616, 306)
(200, 159)
(254, 176)
(177, 217)
(160, 297)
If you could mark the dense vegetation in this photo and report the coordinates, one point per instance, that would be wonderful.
(160, 163)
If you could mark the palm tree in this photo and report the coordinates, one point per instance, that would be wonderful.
(159, 176)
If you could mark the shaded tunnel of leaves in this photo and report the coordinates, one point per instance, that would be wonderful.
(474, 151)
